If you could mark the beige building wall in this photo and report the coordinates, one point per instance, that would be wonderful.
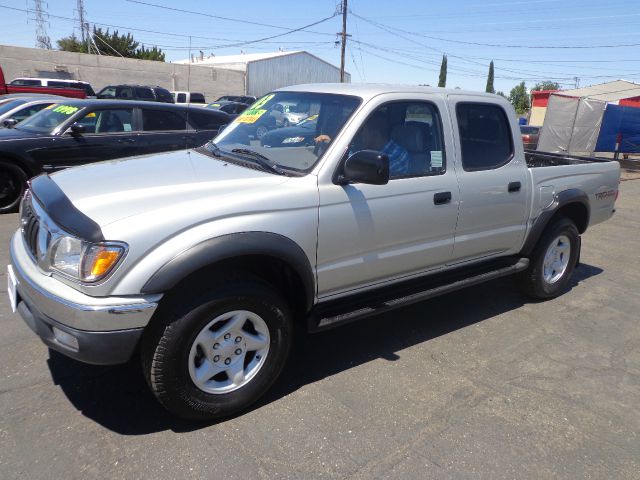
(101, 70)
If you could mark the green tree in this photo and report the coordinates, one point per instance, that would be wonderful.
(519, 98)
(113, 44)
(489, 88)
(547, 85)
(442, 80)
(501, 93)
(71, 44)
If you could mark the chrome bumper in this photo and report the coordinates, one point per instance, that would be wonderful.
(72, 308)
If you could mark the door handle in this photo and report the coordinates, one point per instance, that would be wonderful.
(441, 198)
(514, 187)
(126, 140)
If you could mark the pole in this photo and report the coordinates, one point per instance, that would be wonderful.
(344, 39)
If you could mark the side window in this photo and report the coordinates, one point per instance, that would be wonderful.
(182, 98)
(204, 120)
(162, 120)
(485, 136)
(108, 121)
(27, 112)
(410, 134)
(25, 82)
(125, 92)
(197, 98)
(144, 93)
(108, 92)
(163, 95)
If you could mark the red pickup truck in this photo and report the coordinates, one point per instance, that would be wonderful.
(65, 92)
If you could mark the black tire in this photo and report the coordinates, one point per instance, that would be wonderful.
(166, 346)
(13, 182)
(533, 281)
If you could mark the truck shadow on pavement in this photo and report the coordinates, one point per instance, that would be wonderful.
(118, 397)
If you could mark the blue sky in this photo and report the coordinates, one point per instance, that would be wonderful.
(398, 41)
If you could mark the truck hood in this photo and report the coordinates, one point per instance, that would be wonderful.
(114, 190)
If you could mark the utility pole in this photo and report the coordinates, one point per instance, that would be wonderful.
(577, 79)
(344, 39)
(42, 39)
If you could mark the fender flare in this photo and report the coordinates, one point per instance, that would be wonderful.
(230, 246)
(566, 197)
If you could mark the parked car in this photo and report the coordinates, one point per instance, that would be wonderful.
(188, 97)
(203, 262)
(232, 108)
(287, 113)
(19, 108)
(302, 134)
(530, 136)
(76, 132)
(135, 92)
(248, 99)
(39, 89)
(53, 83)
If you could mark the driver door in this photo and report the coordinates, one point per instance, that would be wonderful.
(371, 234)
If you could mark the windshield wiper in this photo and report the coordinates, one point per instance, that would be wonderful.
(263, 161)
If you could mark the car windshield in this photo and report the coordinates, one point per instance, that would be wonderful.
(47, 120)
(10, 105)
(325, 115)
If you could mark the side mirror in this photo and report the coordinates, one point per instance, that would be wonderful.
(77, 129)
(10, 122)
(365, 166)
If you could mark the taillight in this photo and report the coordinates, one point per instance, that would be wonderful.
(526, 138)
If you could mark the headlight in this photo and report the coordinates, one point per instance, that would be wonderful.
(85, 261)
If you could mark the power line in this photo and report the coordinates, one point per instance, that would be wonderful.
(494, 44)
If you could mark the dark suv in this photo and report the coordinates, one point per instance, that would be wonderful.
(136, 92)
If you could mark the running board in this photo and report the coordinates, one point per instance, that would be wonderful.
(338, 312)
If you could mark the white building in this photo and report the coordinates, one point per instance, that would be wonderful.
(264, 72)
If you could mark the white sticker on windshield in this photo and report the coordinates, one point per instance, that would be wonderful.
(436, 158)
(127, 127)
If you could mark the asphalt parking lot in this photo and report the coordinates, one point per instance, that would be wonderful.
(476, 384)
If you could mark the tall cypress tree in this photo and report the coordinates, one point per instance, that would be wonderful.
(490, 88)
(442, 80)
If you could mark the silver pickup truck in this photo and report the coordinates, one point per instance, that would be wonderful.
(204, 261)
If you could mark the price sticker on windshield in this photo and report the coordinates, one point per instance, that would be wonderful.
(250, 115)
(66, 109)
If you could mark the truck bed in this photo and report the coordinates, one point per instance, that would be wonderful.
(537, 158)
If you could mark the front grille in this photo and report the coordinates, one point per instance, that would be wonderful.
(30, 229)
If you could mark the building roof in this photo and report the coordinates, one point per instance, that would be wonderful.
(243, 58)
(608, 92)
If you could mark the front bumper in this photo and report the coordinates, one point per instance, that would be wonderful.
(93, 330)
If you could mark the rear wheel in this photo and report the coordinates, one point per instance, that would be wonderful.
(214, 354)
(552, 261)
(261, 131)
(13, 181)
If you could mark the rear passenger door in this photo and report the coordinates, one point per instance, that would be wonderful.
(164, 130)
(492, 176)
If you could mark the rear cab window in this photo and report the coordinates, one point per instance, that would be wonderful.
(486, 141)
(197, 98)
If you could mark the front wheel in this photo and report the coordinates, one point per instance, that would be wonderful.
(13, 181)
(215, 354)
(552, 261)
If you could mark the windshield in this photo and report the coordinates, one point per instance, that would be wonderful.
(322, 114)
(10, 105)
(48, 119)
